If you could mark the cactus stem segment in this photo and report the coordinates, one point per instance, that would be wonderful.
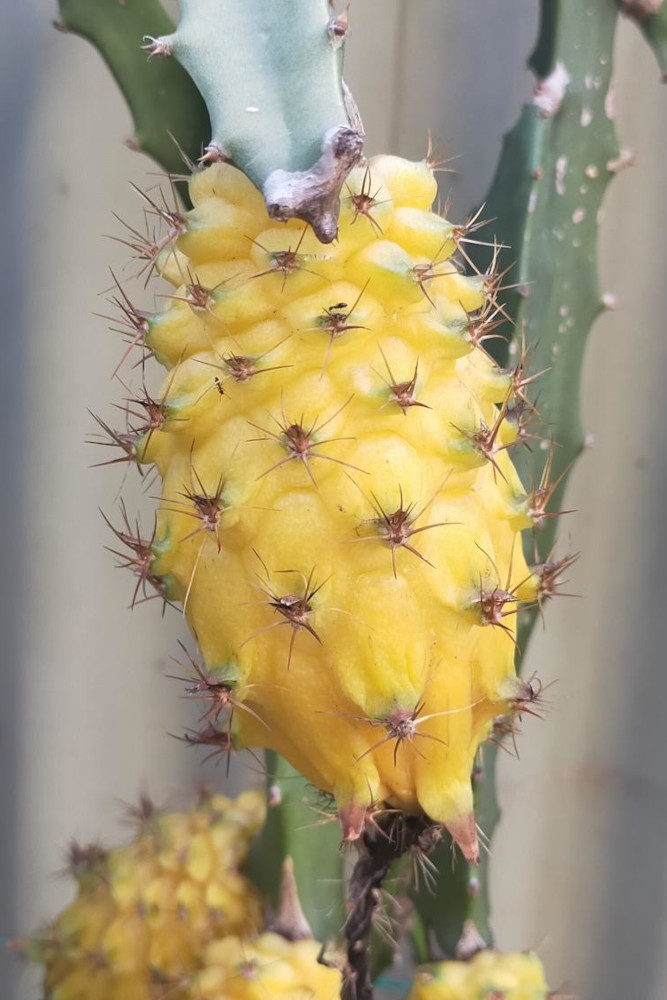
(170, 118)
(293, 830)
(271, 79)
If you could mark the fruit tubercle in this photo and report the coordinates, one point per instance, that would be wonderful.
(270, 75)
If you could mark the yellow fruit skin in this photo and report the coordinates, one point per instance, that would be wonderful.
(489, 974)
(340, 514)
(145, 914)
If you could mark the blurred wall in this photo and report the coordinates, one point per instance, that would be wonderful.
(580, 859)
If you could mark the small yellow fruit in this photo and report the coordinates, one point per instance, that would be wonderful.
(488, 975)
(146, 911)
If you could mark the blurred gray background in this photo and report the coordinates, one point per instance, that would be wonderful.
(580, 860)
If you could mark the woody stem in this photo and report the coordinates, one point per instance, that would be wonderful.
(380, 846)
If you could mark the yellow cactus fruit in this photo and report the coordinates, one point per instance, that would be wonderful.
(488, 976)
(145, 912)
(269, 966)
(340, 515)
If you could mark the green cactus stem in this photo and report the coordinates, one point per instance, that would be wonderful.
(651, 17)
(270, 75)
(554, 169)
(545, 201)
(170, 117)
(296, 829)
(453, 905)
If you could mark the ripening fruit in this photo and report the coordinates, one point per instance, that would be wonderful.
(487, 976)
(145, 912)
(340, 515)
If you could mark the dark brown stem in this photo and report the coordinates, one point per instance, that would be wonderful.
(381, 844)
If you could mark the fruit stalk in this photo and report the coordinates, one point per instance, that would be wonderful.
(380, 848)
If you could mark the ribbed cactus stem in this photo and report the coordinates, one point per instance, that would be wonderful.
(545, 201)
(552, 176)
(270, 75)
